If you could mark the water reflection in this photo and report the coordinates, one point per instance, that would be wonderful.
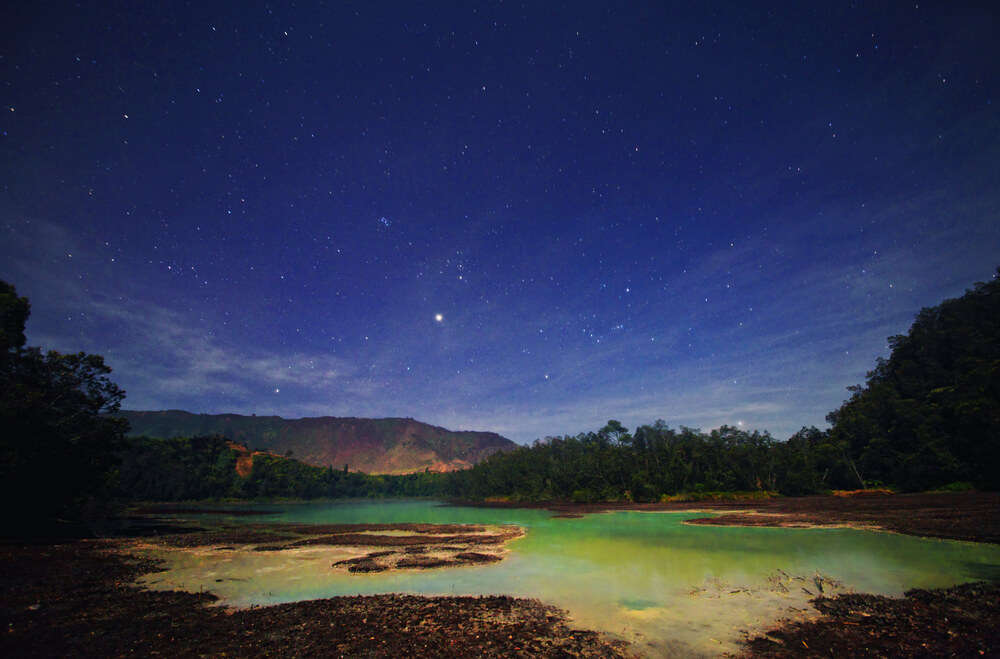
(664, 585)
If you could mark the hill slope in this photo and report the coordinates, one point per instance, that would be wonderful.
(929, 415)
(374, 446)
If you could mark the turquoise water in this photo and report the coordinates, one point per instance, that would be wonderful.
(669, 587)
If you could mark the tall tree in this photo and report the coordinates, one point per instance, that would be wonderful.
(930, 413)
(59, 442)
(14, 312)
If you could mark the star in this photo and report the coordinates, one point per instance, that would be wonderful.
(292, 242)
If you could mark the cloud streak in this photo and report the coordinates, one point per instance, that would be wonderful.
(775, 352)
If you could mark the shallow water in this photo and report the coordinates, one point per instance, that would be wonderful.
(670, 588)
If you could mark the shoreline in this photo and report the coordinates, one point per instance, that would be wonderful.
(353, 548)
(961, 621)
(83, 598)
(966, 516)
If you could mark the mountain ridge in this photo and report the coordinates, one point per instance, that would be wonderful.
(391, 445)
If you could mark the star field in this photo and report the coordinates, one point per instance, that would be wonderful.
(519, 217)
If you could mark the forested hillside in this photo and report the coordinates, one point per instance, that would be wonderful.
(930, 413)
(927, 417)
(656, 461)
(206, 467)
(374, 446)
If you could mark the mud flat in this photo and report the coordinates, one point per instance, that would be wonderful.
(113, 597)
(355, 548)
(963, 621)
(971, 516)
(79, 599)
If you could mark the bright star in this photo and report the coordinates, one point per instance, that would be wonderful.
(438, 317)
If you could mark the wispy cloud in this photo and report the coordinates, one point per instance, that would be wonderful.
(774, 352)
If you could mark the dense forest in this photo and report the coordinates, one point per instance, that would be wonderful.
(374, 446)
(926, 417)
(182, 469)
(930, 413)
(612, 464)
(60, 440)
(607, 465)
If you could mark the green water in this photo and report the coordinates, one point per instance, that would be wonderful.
(670, 588)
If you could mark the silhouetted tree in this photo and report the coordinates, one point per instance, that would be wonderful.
(930, 413)
(59, 444)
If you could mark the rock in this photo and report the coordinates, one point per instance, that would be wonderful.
(424, 562)
(477, 557)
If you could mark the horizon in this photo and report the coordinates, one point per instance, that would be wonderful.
(522, 220)
(429, 423)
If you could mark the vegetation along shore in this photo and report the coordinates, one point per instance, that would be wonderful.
(914, 450)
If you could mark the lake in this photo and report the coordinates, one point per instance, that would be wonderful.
(668, 587)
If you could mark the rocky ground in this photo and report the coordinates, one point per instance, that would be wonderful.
(382, 547)
(77, 599)
(963, 621)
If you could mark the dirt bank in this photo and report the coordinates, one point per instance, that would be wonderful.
(956, 516)
(76, 599)
(383, 546)
(973, 516)
(963, 621)
(79, 598)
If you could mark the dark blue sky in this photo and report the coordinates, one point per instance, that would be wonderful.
(705, 213)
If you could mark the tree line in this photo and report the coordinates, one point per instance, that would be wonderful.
(185, 469)
(930, 413)
(655, 462)
(926, 417)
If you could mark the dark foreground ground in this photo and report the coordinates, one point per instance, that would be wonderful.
(75, 600)
(963, 621)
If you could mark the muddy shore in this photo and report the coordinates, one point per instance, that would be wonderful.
(382, 547)
(971, 516)
(77, 599)
(963, 621)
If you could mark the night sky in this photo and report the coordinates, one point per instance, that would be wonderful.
(520, 217)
